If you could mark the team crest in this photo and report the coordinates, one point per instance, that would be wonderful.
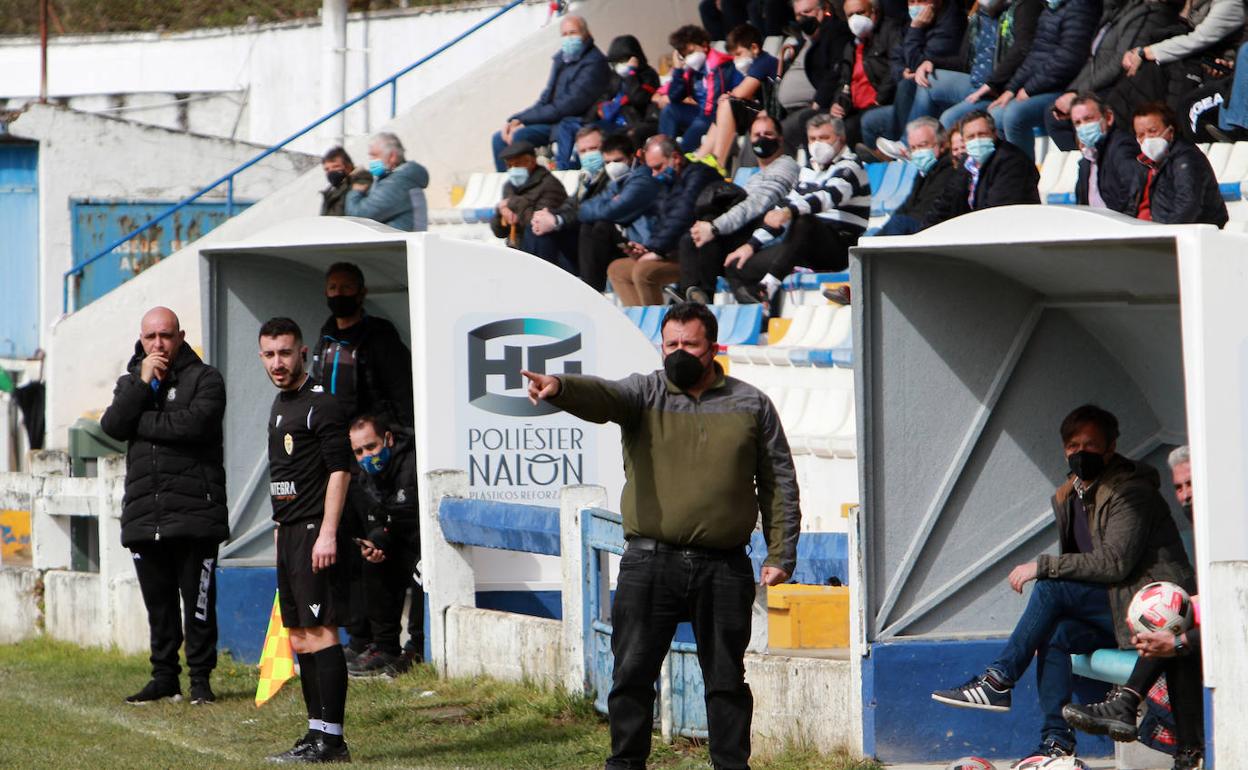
(173, 393)
(289, 443)
(400, 497)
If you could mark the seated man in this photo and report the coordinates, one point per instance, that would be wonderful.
(737, 108)
(825, 214)
(639, 277)
(578, 78)
(1115, 535)
(701, 75)
(995, 173)
(926, 139)
(561, 226)
(868, 78)
(1180, 187)
(337, 166)
(1109, 174)
(388, 197)
(812, 80)
(627, 204)
(703, 249)
(1161, 652)
(529, 188)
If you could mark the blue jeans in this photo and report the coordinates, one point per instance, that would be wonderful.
(1063, 617)
(887, 121)
(537, 135)
(948, 89)
(1016, 120)
(950, 117)
(686, 123)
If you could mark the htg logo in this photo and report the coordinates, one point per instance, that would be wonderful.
(480, 368)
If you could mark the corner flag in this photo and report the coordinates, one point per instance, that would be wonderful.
(277, 664)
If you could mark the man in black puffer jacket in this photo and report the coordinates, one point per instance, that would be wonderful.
(995, 173)
(1180, 187)
(169, 408)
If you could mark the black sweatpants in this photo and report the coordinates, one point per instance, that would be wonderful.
(598, 246)
(811, 243)
(701, 266)
(386, 586)
(185, 569)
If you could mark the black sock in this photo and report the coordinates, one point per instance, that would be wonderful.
(311, 685)
(331, 672)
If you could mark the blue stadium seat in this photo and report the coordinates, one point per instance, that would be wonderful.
(743, 175)
(888, 185)
(875, 175)
(1231, 191)
(738, 324)
(1061, 199)
(905, 181)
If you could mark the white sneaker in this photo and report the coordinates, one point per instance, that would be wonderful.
(893, 149)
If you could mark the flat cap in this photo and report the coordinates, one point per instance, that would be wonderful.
(516, 149)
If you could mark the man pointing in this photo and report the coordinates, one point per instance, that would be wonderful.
(703, 455)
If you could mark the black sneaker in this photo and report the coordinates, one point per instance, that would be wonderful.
(408, 659)
(201, 692)
(350, 652)
(323, 752)
(1050, 747)
(375, 663)
(981, 692)
(753, 294)
(1188, 759)
(1114, 716)
(696, 294)
(156, 690)
(299, 752)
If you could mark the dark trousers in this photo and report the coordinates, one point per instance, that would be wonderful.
(597, 247)
(558, 248)
(1063, 617)
(702, 266)
(1186, 689)
(386, 585)
(655, 591)
(359, 630)
(178, 579)
(901, 224)
(811, 242)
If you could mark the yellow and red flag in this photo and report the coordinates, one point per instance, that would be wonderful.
(277, 663)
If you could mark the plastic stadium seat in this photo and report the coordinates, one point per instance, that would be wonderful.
(773, 44)
(743, 175)
(896, 193)
(571, 181)
(1219, 153)
(875, 175)
(1050, 172)
(738, 324)
(888, 186)
(1231, 191)
(1236, 168)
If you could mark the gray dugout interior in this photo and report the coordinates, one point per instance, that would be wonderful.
(970, 355)
(245, 286)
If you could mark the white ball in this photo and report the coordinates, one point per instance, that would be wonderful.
(1064, 763)
(1158, 607)
(971, 763)
(1033, 762)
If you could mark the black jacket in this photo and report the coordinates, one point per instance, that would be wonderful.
(569, 212)
(1019, 25)
(1009, 177)
(1135, 25)
(928, 189)
(383, 369)
(823, 62)
(334, 199)
(676, 207)
(940, 38)
(1061, 45)
(877, 61)
(1119, 175)
(175, 461)
(1185, 190)
(388, 499)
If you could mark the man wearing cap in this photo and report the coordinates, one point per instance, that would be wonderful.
(530, 187)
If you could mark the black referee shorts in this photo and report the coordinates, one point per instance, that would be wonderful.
(307, 599)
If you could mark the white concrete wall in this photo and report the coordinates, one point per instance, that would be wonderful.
(449, 132)
(264, 79)
(802, 701)
(1226, 652)
(504, 645)
(19, 604)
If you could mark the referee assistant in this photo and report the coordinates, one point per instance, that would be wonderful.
(309, 469)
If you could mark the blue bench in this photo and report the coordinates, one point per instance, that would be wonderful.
(1109, 665)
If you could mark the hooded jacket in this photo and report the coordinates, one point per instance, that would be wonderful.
(571, 89)
(1184, 189)
(1134, 539)
(629, 98)
(542, 190)
(389, 199)
(175, 459)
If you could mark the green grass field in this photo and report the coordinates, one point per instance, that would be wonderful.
(61, 707)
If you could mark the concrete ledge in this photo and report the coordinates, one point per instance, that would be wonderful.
(802, 701)
(19, 600)
(73, 608)
(129, 629)
(503, 645)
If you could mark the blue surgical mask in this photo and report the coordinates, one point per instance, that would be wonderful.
(376, 463)
(981, 149)
(923, 159)
(517, 175)
(666, 176)
(1090, 134)
(915, 10)
(572, 45)
(1053, 4)
(377, 168)
(592, 161)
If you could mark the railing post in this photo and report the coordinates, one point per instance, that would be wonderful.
(394, 98)
(229, 198)
(49, 535)
(572, 501)
(444, 567)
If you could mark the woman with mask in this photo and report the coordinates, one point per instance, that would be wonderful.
(1181, 187)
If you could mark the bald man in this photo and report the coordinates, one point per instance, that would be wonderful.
(169, 407)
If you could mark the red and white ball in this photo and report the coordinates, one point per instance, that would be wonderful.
(971, 763)
(1160, 607)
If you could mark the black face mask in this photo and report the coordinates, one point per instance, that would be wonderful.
(336, 178)
(343, 305)
(1086, 465)
(683, 368)
(765, 146)
(807, 24)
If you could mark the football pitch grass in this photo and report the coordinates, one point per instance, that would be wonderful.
(61, 706)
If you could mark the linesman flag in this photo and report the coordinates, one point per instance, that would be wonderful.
(277, 664)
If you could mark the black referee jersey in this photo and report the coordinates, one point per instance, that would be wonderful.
(307, 442)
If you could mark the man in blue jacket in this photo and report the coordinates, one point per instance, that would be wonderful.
(385, 192)
(579, 77)
(629, 203)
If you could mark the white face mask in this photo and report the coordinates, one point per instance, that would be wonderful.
(1154, 147)
(861, 25)
(616, 169)
(822, 153)
(695, 60)
(623, 68)
(743, 64)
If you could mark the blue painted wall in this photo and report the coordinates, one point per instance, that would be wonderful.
(903, 724)
(19, 256)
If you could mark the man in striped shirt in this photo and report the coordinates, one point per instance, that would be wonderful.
(824, 215)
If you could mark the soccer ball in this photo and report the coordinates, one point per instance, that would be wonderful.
(1063, 763)
(971, 763)
(1033, 762)
(1160, 606)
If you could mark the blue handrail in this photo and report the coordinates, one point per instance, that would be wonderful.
(228, 178)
